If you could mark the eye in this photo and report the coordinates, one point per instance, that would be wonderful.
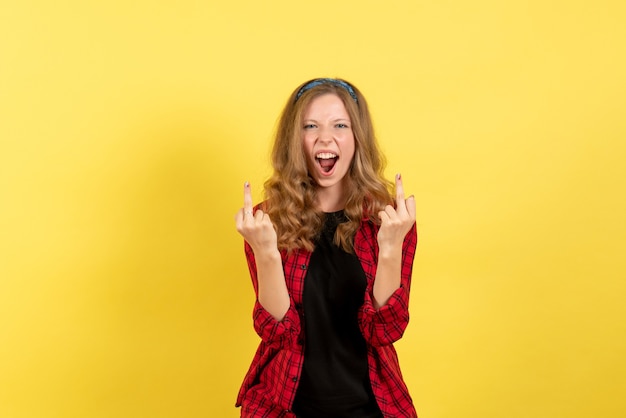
(341, 125)
(310, 126)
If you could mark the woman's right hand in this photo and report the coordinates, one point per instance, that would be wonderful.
(258, 231)
(255, 227)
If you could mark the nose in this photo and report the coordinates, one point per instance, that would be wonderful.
(325, 135)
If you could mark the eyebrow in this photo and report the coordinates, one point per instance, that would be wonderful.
(334, 120)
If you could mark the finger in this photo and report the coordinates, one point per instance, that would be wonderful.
(384, 217)
(239, 216)
(410, 206)
(399, 193)
(247, 198)
(258, 215)
(239, 219)
(391, 212)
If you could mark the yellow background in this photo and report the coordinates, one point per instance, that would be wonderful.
(128, 128)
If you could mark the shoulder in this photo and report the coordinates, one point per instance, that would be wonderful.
(365, 239)
(367, 223)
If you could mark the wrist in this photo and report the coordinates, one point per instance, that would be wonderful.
(269, 253)
(389, 251)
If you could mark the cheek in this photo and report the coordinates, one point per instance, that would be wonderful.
(307, 143)
(350, 147)
(307, 147)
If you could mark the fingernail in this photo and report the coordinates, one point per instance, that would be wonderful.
(246, 184)
(398, 176)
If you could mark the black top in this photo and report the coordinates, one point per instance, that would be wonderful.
(335, 379)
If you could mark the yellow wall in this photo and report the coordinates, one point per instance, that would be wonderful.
(128, 128)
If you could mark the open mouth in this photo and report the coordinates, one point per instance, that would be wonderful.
(326, 160)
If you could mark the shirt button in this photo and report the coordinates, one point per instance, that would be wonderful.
(303, 266)
(294, 379)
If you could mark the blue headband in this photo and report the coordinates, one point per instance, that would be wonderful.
(334, 81)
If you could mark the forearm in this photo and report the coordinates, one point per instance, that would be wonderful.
(388, 275)
(272, 290)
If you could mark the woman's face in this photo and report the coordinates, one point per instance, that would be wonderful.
(328, 142)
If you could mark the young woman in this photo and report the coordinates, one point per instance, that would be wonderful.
(330, 252)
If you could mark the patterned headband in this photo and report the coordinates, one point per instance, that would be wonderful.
(334, 81)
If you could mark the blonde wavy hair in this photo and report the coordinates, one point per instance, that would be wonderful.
(290, 192)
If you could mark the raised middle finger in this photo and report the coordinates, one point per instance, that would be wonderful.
(247, 199)
(400, 202)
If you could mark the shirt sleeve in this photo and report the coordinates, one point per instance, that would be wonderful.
(387, 324)
(278, 334)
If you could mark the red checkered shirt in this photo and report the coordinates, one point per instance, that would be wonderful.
(269, 387)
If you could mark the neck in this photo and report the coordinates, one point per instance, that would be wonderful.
(331, 200)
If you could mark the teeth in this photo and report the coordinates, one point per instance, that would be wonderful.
(325, 155)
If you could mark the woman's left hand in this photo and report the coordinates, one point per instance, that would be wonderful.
(396, 222)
